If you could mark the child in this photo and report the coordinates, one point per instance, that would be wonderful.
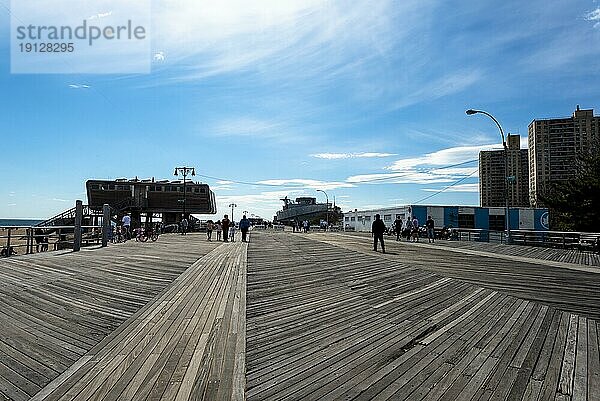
(232, 231)
(219, 229)
(209, 230)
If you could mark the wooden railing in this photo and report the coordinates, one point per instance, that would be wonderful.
(553, 239)
(15, 240)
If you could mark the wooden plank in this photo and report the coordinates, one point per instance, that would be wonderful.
(581, 363)
(565, 381)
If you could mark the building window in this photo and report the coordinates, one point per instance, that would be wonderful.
(347, 219)
(352, 219)
(95, 186)
(497, 222)
(466, 220)
(387, 217)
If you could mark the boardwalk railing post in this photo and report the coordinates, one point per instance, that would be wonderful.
(78, 219)
(105, 224)
(8, 252)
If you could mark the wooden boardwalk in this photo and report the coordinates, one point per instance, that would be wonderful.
(296, 317)
(56, 306)
(328, 319)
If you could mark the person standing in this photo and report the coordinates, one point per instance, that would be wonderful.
(209, 229)
(430, 224)
(244, 227)
(184, 226)
(225, 223)
(377, 230)
(398, 227)
(126, 220)
(219, 229)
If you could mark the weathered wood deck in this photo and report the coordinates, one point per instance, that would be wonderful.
(299, 317)
(329, 319)
(54, 307)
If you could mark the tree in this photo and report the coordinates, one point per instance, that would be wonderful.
(575, 205)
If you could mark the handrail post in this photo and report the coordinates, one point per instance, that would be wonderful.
(78, 220)
(105, 224)
(8, 252)
(29, 245)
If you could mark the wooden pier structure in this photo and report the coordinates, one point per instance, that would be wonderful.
(290, 316)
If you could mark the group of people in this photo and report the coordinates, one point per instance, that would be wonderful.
(303, 226)
(408, 229)
(225, 229)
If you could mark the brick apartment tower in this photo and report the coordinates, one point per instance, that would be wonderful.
(492, 176)
(553, 148)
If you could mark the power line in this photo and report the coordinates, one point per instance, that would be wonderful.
(449, 186)
(395, 176)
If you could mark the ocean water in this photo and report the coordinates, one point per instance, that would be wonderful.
(18, 222)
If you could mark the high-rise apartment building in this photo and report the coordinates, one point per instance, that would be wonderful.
(492, 176)
(554, 145)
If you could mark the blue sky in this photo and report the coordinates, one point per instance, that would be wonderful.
(365, 100)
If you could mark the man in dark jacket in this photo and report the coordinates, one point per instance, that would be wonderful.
(225, 224)
(244, 226)
(377, 230)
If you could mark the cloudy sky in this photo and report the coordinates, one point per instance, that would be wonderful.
(365, 100)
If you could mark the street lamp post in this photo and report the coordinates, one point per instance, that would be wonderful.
(327, 203)
(185, 171)
(506, 199)
(232, 205)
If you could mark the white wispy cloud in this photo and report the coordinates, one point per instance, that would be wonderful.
(308, 183)
(335, 156)
(456, 188)
(444, 157)
(233, 35)
(594, 16)
(218, 188)
(59, 200)
(79, 86)
(224, 182)
(439, 88)
(430, 168)
(252, 127)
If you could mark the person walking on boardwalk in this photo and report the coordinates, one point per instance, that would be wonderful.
(415, 229)
(219, 229)
(209, 229)
(408, 228)
(377, 230)
(430, 224)
(232, 231)
(398, 227)
(126, 220)
(225, 223)
(244, 227)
